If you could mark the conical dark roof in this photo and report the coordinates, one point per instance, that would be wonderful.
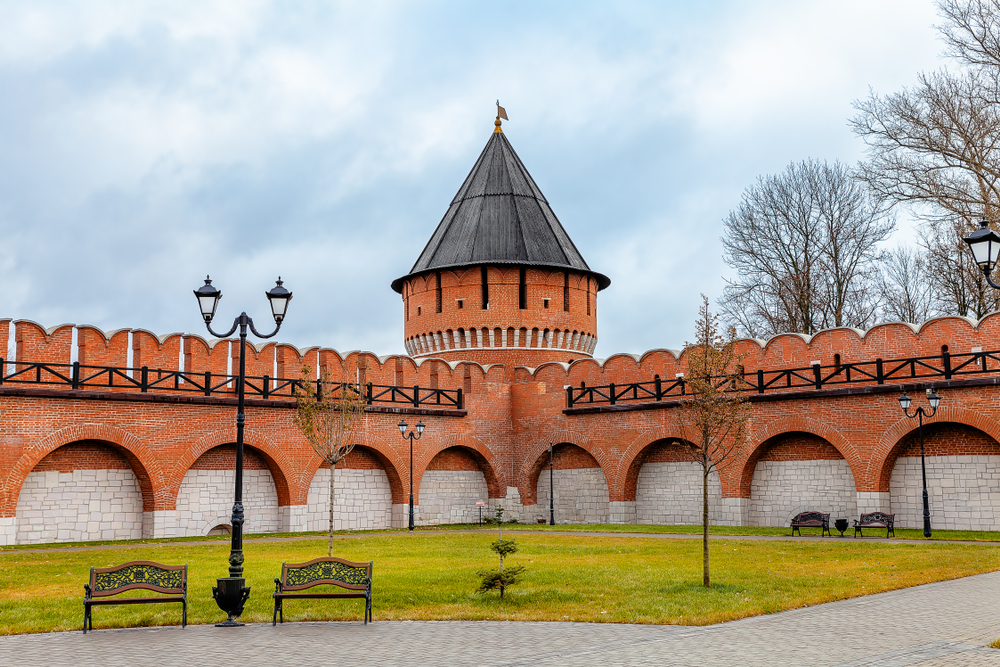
(499, 216)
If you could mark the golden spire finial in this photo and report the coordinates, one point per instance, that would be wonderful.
(501, 113)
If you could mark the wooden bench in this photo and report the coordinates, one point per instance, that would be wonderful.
(876, 520)
(296, 578)
(811, 520)
(105, 582)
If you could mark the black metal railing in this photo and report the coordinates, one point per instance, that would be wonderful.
(944, 366)
(144, 379)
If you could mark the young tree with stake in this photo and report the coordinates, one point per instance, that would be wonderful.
(714, 420)
(328, 415)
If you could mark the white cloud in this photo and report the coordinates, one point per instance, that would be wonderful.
(147, 143)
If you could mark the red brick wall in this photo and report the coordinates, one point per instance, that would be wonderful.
(950, 440)
(83, 456)
(453, 458)
(571, 457)
(667, 452)
(800, 447)
(224, 458)
(358, 459)
(512, 416)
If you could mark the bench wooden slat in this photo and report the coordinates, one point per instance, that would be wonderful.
(136, 600)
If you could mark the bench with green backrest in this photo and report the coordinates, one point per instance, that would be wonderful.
(108, 582)
(297, 578)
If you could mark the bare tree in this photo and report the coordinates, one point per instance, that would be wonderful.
(972, 31)
(714, 420)
(906, 286)
(328, 415)
(935, 148)
(804, 244)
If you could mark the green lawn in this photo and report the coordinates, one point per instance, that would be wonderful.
(432, 576)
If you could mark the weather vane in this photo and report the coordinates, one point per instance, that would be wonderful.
(501, 113)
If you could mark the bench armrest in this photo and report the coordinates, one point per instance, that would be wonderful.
(86, 589)
(277, 585)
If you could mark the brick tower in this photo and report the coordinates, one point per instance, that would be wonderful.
(500, 281)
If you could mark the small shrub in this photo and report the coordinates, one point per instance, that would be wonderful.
(493, 578)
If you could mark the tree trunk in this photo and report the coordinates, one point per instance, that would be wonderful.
(333, 468)
(704, 528)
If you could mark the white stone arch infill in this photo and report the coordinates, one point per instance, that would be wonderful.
(362, 500)
(963, 489)
(580, 495)
(450, 496)
(79, 505)
(205, 496)
(780, 489)
(670, 493)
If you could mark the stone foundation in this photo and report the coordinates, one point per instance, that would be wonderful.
(734, 512)
(8, 530)
(872, 501)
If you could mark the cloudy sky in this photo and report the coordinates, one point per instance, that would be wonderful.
(143, 145)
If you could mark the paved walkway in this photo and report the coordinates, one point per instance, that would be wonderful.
(945, 623)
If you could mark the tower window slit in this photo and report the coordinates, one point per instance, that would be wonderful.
(486, 287)
(522, 293)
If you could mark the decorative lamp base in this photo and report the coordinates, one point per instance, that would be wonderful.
(230, 594)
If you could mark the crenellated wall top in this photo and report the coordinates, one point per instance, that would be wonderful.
(134, 348)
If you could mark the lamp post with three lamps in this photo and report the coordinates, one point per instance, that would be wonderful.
(411, 436)
(231, 593)
(920, 413)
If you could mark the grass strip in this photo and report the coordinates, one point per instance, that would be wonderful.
(901, 533)
(424, 576)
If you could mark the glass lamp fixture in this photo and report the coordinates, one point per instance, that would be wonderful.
(934, 400)
(279, 298)
(208, 299)
(985, 245)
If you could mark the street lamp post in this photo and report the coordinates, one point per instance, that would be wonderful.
(552, 492)
(919, 413)
(411, 436)
(231, 593)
